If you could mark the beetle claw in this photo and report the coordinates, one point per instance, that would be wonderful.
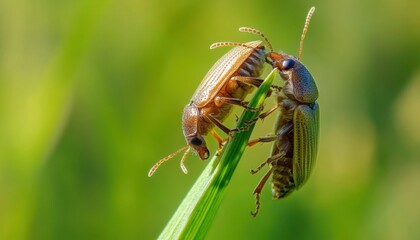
(232, 133)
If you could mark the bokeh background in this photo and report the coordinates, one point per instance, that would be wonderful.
(91, 96)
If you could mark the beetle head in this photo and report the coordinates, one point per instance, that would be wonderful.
(198, 143)
(300, 84)
(190, 127)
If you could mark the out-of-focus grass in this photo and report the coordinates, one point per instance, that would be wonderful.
(79, 130)
(36, 99)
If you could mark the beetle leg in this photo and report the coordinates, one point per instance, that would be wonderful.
(285, 129)
(247, 125)
(284, 103)
(250, 122)
(268, 161)
(219, 101)
(262, 116)
(257, 192)
(254, 81)
(220, 125)
(265, 114)
(219, 140)
(262, 139)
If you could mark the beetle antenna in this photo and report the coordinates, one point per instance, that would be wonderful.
(258, 32)
(156, 166)
(183, 167)
(228, 44)
(305, 29)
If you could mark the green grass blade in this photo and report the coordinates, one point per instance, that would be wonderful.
(194, 216)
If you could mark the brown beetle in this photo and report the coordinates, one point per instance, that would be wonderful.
(227, 83)
(295, 145)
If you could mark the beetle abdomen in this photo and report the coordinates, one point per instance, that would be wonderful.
(252, 66)
(282, 179)
(223, 70)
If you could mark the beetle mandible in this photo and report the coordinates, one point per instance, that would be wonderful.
(227, 83)
(295, 145)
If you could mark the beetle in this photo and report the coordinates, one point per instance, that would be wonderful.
(295, 145)
(227, 83)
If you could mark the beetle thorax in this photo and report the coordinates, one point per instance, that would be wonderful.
(190, 120)
(288, 90)
(191, 129)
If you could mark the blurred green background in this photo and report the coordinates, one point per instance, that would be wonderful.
(91, 96)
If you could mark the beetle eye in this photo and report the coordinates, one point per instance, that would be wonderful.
(287, 64)
(196, 141)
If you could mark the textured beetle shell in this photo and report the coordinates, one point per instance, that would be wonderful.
(221, 72)
(306, 130)
(239, 61)
(199, 115)
(304, 86)
(190, 120)
(291, 171)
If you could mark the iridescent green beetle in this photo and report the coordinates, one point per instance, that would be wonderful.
(296, 131)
